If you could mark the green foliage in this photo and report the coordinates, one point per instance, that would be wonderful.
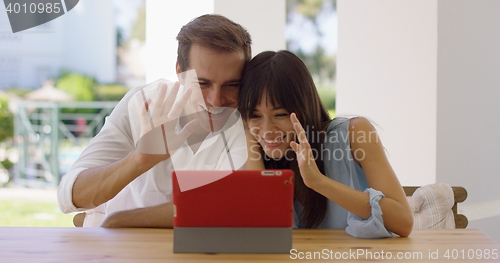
(20, 92)
(308, 8)
(138, 27)
(33, 213)
(327, 95)
(80, 86)
(111, 92)
(6, 120)
(320, 64)
(332, 114)
(7, 164)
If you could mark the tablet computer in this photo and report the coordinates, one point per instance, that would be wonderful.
(246, 211)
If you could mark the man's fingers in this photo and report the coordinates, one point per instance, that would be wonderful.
(178, 106)
(171, 98)
(174, 141)
(145, 120)
(151, 142)
(158, 103)
(189, 129)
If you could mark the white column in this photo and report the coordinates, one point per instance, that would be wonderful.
(265, 21)
(386, 71)
(468, 121)
(164, 19)
(427, 73)
(90, 40)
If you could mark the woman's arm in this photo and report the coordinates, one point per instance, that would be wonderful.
(370, 155)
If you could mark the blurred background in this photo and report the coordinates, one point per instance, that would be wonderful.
(424, 72)
(59, 80)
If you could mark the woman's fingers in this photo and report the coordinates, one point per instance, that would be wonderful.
(295, 147)
(302, 148)
(301, 133)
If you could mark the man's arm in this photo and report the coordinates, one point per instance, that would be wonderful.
(116, 157)
(97, 185)
(160, 216)
(105, 167)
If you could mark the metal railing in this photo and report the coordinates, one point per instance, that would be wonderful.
(51, 135)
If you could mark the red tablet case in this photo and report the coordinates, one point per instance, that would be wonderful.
(242, 199)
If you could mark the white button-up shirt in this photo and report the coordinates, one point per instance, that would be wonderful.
(154, 187)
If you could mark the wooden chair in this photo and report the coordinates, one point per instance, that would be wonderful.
(460, 195)
(78, 219)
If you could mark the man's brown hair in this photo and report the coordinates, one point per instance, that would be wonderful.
(215, 32)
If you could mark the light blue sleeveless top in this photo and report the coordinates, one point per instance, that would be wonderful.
(339, 166)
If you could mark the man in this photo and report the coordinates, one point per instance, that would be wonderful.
(119, 186)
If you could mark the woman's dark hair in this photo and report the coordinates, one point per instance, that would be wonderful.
(285, 80)
(215, 32)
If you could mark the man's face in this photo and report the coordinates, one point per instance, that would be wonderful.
(218, 75)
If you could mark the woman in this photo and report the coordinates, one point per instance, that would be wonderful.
(338, 163)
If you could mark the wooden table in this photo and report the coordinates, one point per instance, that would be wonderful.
(36, 244)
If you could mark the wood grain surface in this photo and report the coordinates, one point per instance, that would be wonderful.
(37, 244)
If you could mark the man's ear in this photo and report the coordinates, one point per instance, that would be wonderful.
(179, 71)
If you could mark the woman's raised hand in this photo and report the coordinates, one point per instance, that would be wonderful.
(305, 158)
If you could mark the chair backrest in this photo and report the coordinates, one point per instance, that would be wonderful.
(78, 219)
(459, 193)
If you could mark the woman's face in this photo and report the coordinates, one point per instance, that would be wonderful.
(272, 128)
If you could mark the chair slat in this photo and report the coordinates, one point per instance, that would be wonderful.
(78, 219)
